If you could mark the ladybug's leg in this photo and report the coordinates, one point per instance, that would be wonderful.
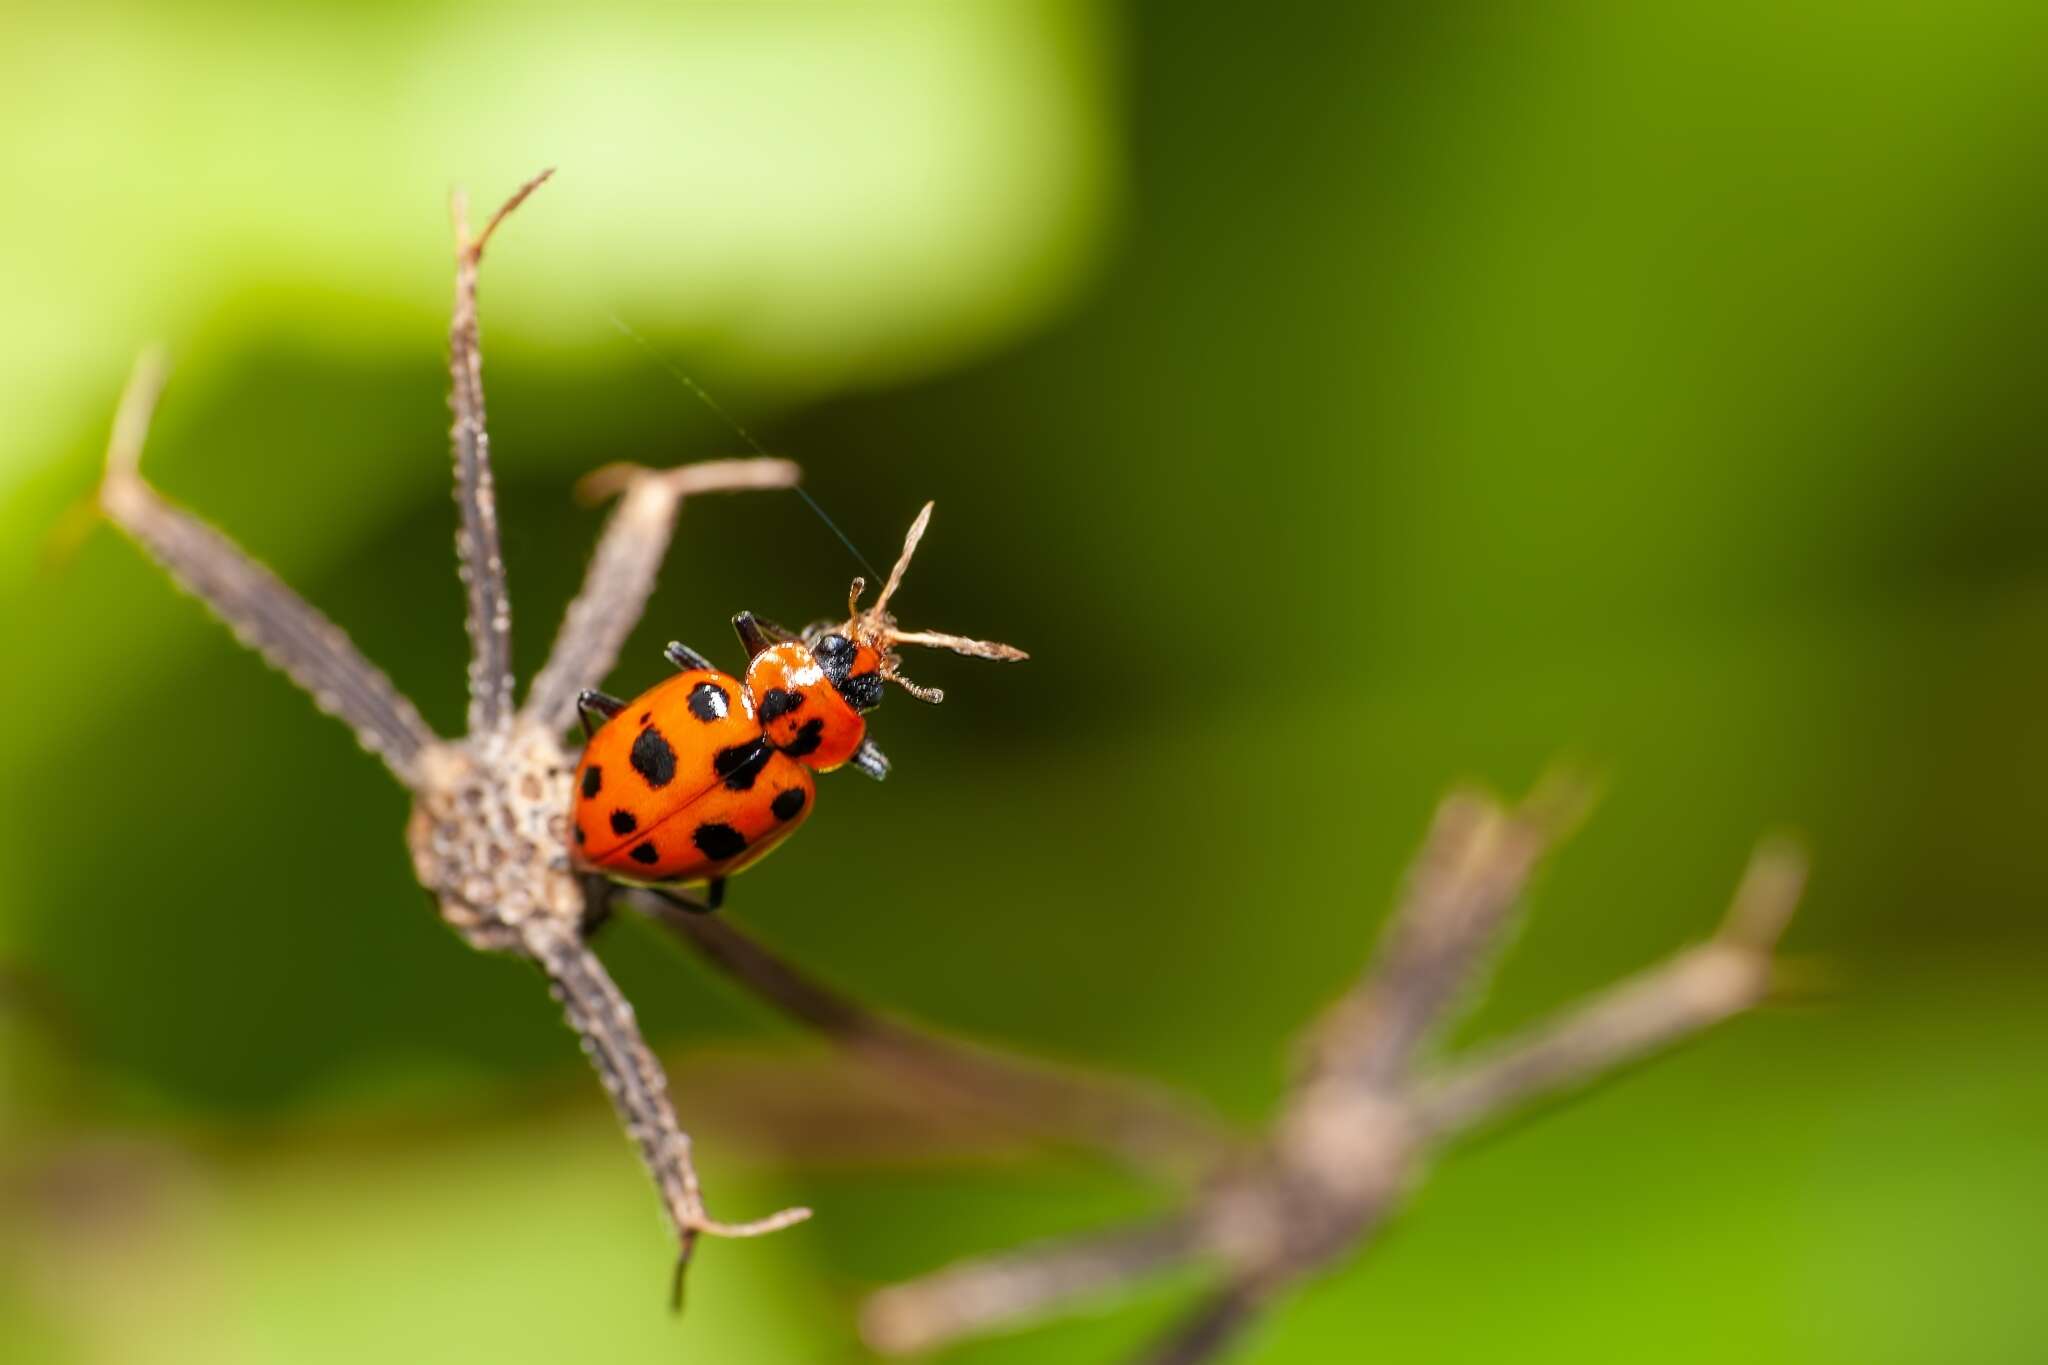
(590, 701)
(597, 903)
(714, 896)
(758, 633)
(684, 657)
(748, 627)
(870, 760)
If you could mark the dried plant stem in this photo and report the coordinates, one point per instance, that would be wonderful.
(1462, 888)
(622, 571)
(1210, 1329)
(478, 556)
(265, 615)
(604, 1020)
(997, 1291)
(1357, 1128)
(488, 827)
(1154, 1130)
(1688, 994)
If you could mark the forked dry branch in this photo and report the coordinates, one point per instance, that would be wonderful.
(487, 831)
(1362, 1119)
(487, 839)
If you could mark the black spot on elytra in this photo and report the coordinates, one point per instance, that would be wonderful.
(646, 716)
(644, 853)
(593, 780)
(742, 763)
(623, 822)
(653, 759)
(807, 739)
(788, 805)
(708, 702)
(863, 691)
(579, 834)
(779, 702)
(718, 842)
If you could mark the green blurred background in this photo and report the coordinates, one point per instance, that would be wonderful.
(1338, 405)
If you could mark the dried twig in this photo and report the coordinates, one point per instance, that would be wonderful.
(621, 573)
(990, 1292)
(488, 825)
(478, 558)
(265, 615)
(1461, 890)
(638, 1089)
(1154, 1130)
(1690, 993)
(1357, 1127)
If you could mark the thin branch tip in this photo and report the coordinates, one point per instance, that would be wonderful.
(758, 1227)
(687, 480)
(1562, 800)
(472, 249)
(1767, 897)
(132, 415)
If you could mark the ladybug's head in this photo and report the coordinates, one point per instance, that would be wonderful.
(811, 694)
(802, 708)
(854, 669)
(873, 633)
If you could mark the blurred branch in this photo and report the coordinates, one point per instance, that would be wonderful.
(996, 1291)
(1461, 890)
(1357, 1128)
(1210, 1328)
(1690, 993)
(1148, 1126)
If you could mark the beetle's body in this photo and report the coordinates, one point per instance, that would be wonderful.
(704, 774)
(683, 785)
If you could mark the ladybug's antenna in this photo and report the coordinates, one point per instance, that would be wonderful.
(916, 533)
(877, 628)
(718, 409)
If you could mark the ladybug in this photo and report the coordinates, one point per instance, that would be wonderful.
(704, 774)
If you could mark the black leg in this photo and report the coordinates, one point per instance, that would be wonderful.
(751, 635)
(684, 657)
(870, 760)
(714, 896)
(675, 1288)
(597, 903)
(590, 701)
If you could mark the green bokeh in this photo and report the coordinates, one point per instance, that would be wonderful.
(1337, 408)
